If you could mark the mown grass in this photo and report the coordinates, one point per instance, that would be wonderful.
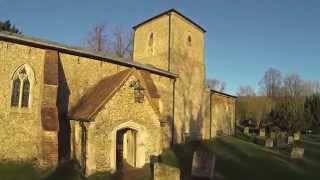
(12, 171)
(240, 159)
(236, 159)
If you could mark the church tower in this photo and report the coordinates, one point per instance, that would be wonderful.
(172, 42)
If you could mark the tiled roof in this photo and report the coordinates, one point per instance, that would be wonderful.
(90, 104)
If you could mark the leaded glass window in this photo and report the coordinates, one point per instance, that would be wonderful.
(21, 87)
(15, 92)
(25, 93)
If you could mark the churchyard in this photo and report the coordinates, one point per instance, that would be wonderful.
(235, 158)
(240, 158)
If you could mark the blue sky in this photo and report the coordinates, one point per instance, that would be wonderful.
(244, 37)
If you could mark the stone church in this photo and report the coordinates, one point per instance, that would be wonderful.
(60, 102)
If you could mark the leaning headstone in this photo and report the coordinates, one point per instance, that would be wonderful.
(290, 140)
(203, 164)
(165, 172)
(262, 132)
(296, 136)
(246, 131)
(269, 143)
(297, 153)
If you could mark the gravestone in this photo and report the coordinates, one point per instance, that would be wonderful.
(153, 160)
(269, 143)
(296, 136)
(281, 141)
(246, 131)
(273, 135)
(165, 172)
(297, 153)
(203, 164)
(262, 132)
(290, 140)
(283, 134)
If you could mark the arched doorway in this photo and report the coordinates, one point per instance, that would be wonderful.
(139, 132)
(126, 148)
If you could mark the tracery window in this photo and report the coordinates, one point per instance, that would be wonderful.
(21, 87)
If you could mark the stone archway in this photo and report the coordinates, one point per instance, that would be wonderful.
(126, 148)
(138, 136)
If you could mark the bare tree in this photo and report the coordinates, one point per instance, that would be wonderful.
(119, 42)
(97, 39)
(122, 43)
(311, 87)
(293, 85)
(271, 83)
(216, 84)
(246, 91)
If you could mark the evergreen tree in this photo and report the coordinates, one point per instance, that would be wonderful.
(288, 115)
(7, 26)
(312, 109)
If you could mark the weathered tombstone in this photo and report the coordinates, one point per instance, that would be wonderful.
(269, 143)
(219, 133)
(281, 141)
(262, 132)
(203, 164)
(153, 160)
(297, 153)
(296, 136)
(186, 137)
(246, 131)
(283, 134)
(165, 172)
(290, 140)
(273, 135)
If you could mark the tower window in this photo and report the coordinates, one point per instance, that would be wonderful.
(151, 44)
(189, 41)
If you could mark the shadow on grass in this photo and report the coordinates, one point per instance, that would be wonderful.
(65, 171)
(239, 159)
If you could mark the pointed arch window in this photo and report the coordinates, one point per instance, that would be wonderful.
(21, 87)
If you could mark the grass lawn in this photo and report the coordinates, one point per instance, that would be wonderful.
(27, 172)
(236, 160)
(241, 160)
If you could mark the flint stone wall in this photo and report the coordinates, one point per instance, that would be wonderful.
(20, 128)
